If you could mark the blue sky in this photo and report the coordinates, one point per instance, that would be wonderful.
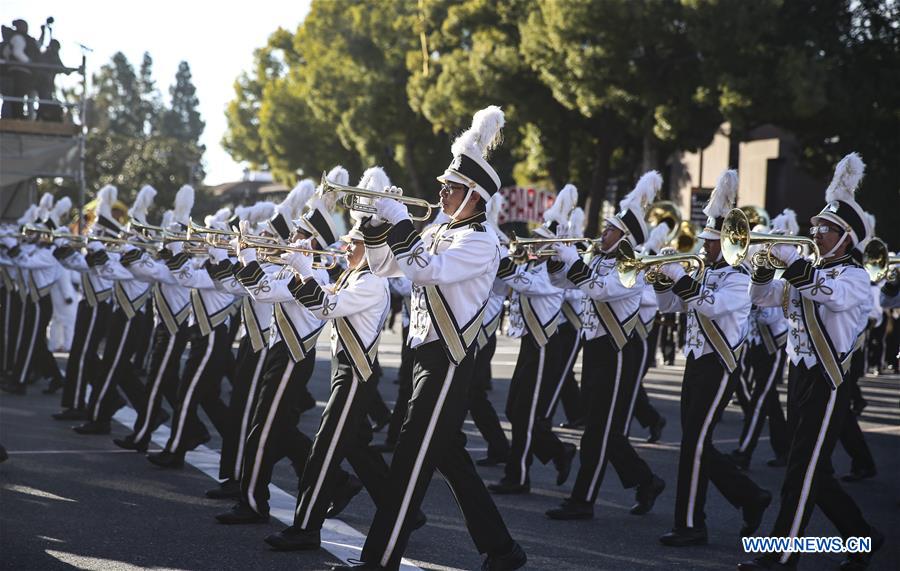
(217, 39)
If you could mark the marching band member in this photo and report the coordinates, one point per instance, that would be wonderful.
(19, 285)
(452, 267)
(210, 349)
(533, 318)
(402, 287)
(717, 309)
(767, 357)
(130, 295)
(610, 314)
(290, 361)
(823, 305)
(357, 304)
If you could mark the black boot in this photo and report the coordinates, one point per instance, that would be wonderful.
(166, 459)
(563, 463)
(128, 443)
(684, 536)
(572, 509)
(646, 495)
(227, 490)
(241, 514)
(656, 430)
(753, 512)
(93, 427)
(512, 559)
(294, 539)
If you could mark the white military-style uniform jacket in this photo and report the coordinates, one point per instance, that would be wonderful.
(609, 307)
(534, 304)
(129, 293)
(717, 309)
(94, 287)
(823, 305)
(257, 316)
(210, 306)
(294, 324)
(358, 304)
(452, 267)
(39, 270)
(171, 299)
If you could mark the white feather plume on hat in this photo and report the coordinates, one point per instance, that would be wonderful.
(29, 216)
(575, 227)
(786, 223)
(292, 206)
(142, 203)
(106, 197)
(167, 218)
(657, 239)
(260, 212)
(847, 175)
(45, 205)
(566, 200)
(60, 209)
(643, 194)
(723, 195)
(492, 212)
(374, 178)
(218, 219)
(184, 202)
(484, 134)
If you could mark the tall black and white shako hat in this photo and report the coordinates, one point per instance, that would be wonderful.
(105, 224)
(318, 220)
(785, 223)
(470, 150)
(282, 222)
(631, 218)
(556, 218)
(59, 210)
(142, 203)
(721, 201)
(374, 178)
(842, 208)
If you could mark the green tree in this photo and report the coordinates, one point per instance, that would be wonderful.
(182, 119)
(115, 104)
(150, 97)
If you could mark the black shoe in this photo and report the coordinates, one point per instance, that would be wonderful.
(572, 424)
(342, 496)
(857, 475)
(563, 463)
(753, 512)
(777, 462)
(227, 490)
(166, 459)
(860, 561)
(293, 539)
(684, 536)
(13, 388)
(489, 460)
(384, 447)
(741, 460)
(761, 563)
(93, 427)
(656, 430)
(859, 405)
(54, 386)
(71, 414)
(128, 443)
(646, 495)
(241, 514)
(506, 487)
(512, 559)
(572, 509)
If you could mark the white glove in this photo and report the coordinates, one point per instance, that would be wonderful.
(217, 254)
(9, 242)
(247, 255)
(302, 263)
(175, 247)
(94, 246)
(786, 253)
(674, 271)
(565, 253)
(128, 248)
(390, 210)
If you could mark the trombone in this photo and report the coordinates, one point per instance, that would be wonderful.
(271, 250)
(629, 265)
(737, 239)
(878, 261)
(361, 199)
(521, 250)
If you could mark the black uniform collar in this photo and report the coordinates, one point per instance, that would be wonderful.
(845, 260)
(479, 218)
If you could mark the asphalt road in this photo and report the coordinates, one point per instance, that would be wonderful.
(69, 501)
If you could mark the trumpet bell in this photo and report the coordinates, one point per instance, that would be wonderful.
(629, 265)
(737, 239)
(876, 259)
(667, 212)
(362, 199)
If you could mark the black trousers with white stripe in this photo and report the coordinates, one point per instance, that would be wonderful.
(605, 438)
(117, 369)
(744, 388)
(143, 351)
(6, 327)
(274, 434)
(245, 386)
(43, 364)
(529, 406)
(852, 438)
(432, 439)
(199, 386)
(13, 323)
(764, 404)
(705, 391)
(483, 414)
(570, 395)
(343, 433)
(815, 422)
(84, 364)
(30, 337)
(162, 379)
(643, 410)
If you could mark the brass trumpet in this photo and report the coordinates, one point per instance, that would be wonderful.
(145, 229)
(270, 251)
(212, 236)
(737, 239)
(361, 199)
(878, 261)
(629, 265)
(521, 250)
